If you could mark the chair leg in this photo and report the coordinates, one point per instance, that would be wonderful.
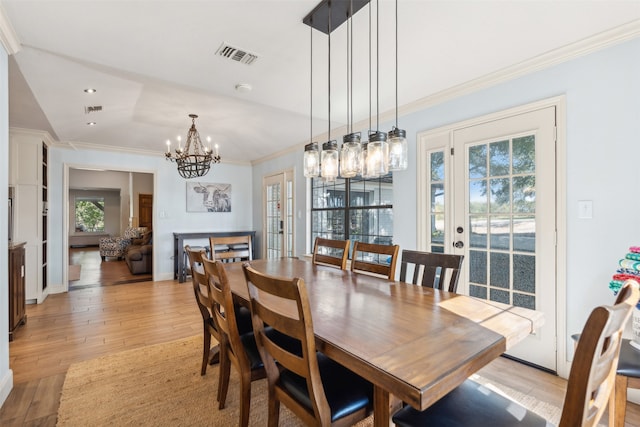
(245, 398)
(274, 410)
(103, 258)
(205, 351)
(620, 405)
(225, 373)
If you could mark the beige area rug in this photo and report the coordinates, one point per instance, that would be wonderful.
(74, 272)
(160, 385)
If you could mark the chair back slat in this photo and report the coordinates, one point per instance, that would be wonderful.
(381, 259)
(237, 248)
(439, 271)
(331, 252)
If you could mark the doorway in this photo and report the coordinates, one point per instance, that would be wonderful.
(490, 195)
(278, 217)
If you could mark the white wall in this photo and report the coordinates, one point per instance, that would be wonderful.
(169, 202)
(6, 375)
(603, 147)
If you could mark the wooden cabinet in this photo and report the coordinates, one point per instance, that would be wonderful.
(17, 300)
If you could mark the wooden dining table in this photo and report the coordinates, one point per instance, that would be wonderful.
(414, 344)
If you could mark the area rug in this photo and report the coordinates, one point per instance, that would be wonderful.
(74, 272)
(160, 385)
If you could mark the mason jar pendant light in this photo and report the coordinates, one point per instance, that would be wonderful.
(351, 147)
(329, 155)
(311, 161)
(398, 149)
(378, 148)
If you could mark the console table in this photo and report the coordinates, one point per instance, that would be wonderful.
(178, 247)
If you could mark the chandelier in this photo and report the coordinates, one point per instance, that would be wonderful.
(377, 156)
(194, 160)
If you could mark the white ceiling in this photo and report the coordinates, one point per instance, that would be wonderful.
(154, 62)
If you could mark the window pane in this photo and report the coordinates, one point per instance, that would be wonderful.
(499, 158)
(478, 196)
(526, 301)
(478, 267)
(524, 273)
(524, 233)
(524, 155)
(437, 166)
(478, 231)
(89, 214)
(500, 195)
(478, 291)
(500, 232)
(524, 194)
(437, 197)
(478, 161)
(500, 274)
(499, 296)
(437, 229)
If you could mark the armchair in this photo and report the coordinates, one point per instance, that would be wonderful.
(116, 246)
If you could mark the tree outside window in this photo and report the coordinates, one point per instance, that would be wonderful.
(89, 214)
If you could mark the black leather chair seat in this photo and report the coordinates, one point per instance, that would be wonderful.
(629, 362)
(251, 349)
(345, 391)
(470, 405)
(243, 319)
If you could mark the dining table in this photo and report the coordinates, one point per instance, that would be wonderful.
(415, 344)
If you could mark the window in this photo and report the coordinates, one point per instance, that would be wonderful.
(356, 209)
(89, 214)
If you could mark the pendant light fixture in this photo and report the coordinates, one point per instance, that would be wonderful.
(378, 148)
(398, 149)
(311, 161)
(329, 155)
(350, 155)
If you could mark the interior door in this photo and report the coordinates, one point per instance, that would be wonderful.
(145, 210)
(504, 221)
(278, 215)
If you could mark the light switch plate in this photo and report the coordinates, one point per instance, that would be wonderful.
(585, 209)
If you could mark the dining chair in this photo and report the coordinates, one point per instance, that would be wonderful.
(317, 389)
(331, 252)
(231, 248)
(431, 269)
(591, 381)
(237, 349)
(199, 280)
(375, 259)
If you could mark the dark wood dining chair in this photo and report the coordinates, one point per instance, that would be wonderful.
(591, 381)
(315, 388)
(331, 252)
(237, 349)
(199, 280)
(231, 248)
(431, 269)
(373, 258)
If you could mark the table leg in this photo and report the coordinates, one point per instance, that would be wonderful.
(384, 405)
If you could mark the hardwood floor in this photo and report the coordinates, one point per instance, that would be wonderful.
(95, 272)
(97, 320)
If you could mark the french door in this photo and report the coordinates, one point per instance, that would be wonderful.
(278, 215)
(492, 198)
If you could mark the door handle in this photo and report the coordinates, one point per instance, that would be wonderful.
(459, 244)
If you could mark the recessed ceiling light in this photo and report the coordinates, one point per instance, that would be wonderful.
(91, 123)
(90, 90)
(243, 87)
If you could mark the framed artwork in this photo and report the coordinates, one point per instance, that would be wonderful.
(208, 197)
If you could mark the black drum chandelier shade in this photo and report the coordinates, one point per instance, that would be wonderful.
(195, 159)
(377, 156)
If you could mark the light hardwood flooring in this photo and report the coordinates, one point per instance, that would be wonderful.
(99, 320)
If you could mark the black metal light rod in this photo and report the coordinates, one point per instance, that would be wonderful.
(318, 18)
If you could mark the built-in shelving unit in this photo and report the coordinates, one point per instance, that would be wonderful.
(45, 209)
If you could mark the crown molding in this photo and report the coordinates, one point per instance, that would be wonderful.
(38, 134)
(8, 37)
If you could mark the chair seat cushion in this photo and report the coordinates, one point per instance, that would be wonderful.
(629, 361)
(471, 404)
(243, 319)
(346, 392)
(251, 349)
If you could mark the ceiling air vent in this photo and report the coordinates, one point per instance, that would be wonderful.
(236, 54)
(91, 109)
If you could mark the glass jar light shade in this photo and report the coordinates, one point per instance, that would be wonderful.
(350, 156)
(329, 161)
(377, 155)
(311, 160)
(398, 150)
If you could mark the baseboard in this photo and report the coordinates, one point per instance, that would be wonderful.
(163, 276)
(6, 385)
